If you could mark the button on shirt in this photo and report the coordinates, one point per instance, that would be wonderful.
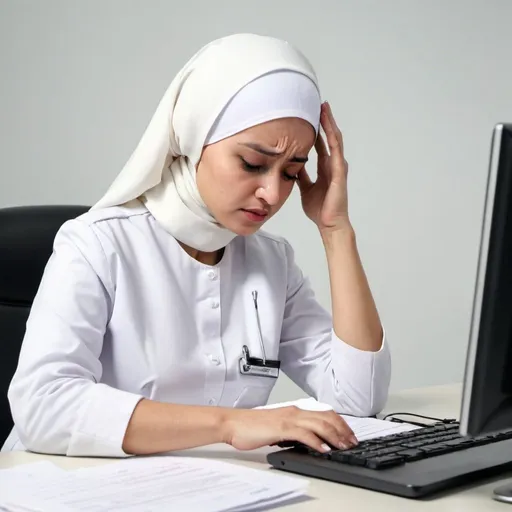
(123, 312)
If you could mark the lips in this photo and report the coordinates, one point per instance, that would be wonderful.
(257, 211)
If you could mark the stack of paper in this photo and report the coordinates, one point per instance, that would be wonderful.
(363, 428)
(145, 484)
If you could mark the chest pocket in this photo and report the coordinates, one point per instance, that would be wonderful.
(255, 391)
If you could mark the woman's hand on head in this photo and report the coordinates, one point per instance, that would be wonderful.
(325, 201)
(248, 429)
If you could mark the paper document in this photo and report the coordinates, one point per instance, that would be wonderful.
(149, 484)
(363, 428)
(308, 404)
(19, 478)
(370, 428)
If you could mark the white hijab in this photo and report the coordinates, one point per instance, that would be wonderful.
(231, 84)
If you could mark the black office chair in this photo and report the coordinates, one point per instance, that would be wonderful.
(26, 242)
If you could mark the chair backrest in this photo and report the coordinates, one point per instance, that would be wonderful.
(26, 242)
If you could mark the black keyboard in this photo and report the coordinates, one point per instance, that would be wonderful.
(406, 447)
(410, 464)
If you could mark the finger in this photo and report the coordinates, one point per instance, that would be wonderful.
(335, 144)
(325, 430)
(321, 148)
(344, 432)
(323, 158)
(324, 165)
(304, 181)
(308, 438)
(321, 425)
(343, 428)
(333, 133)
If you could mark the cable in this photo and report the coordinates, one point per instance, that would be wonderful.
(441, 420)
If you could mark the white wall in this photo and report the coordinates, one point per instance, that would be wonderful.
(416, 86)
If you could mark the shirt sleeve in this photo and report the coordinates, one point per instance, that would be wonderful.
(57, 401)
(352, 381)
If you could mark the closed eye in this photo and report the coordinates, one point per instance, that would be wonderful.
(290, 177)
(261, 168)
(250, 167)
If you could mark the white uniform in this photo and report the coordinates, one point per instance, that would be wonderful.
(123, 313)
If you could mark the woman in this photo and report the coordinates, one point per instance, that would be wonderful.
(134, 344)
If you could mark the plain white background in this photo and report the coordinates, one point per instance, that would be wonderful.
(416, 87)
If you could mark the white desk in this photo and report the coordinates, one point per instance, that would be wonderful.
(441, 401)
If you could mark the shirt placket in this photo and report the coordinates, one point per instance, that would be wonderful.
(213, 353)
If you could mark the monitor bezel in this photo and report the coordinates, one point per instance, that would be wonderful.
(467, 423)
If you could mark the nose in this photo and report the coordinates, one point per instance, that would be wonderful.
(269, 189)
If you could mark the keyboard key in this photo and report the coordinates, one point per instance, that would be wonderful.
(373, 445)
(447, 436)
(377, 440)
(384, 462)
(387, 451)
(411, 455)
(355, 451)
(459, 444)
(436, 449)
(396, 442)
(340, 456)
(402, 435)
(422, 437)
(356, 460)
(420, 443)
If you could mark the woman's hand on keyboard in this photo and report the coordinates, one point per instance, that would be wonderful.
(248, 429)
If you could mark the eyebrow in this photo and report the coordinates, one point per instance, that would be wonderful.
(272, 152)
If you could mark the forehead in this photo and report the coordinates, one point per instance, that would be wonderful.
(278, 132)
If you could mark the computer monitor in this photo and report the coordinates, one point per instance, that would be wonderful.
(487, 394)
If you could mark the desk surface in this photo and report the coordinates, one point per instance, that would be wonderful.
(440, 401)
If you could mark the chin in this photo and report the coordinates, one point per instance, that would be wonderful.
(241, 226)
(242, 230)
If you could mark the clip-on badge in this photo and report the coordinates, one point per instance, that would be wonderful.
(259, 367)
(254, 365)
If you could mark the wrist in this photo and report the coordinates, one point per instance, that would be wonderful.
(340, 235)
(226, 422)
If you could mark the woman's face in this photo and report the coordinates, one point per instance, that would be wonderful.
(246, 178)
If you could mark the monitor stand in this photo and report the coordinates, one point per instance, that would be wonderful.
(503, 493)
